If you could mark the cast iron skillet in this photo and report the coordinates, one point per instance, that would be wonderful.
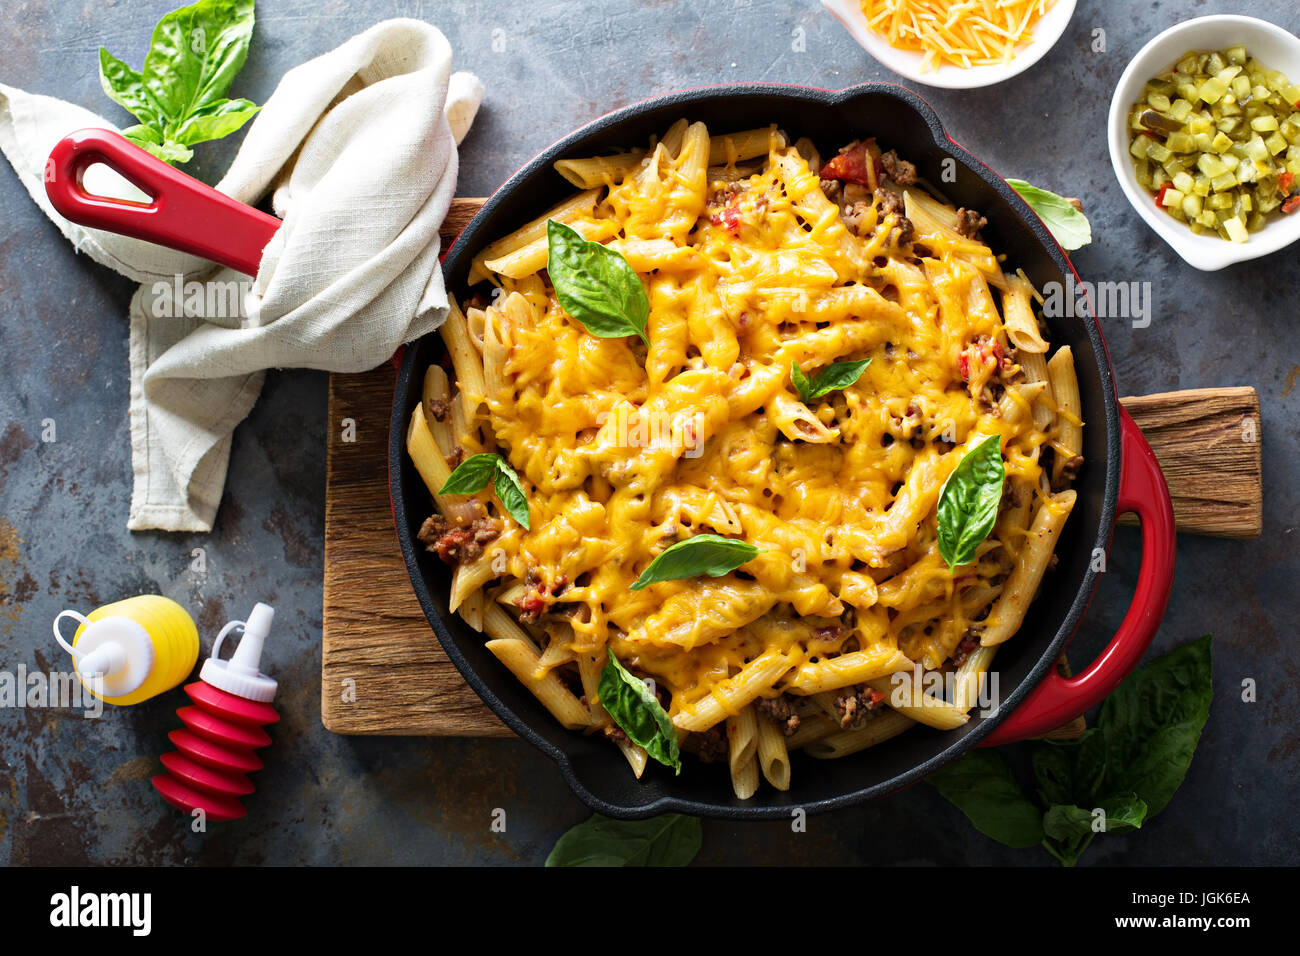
(1121, 474)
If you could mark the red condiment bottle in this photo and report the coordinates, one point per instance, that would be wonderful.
(209, 768)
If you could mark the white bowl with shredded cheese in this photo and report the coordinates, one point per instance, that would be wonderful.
(961, 23)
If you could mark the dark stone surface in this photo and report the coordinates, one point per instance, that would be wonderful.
(76, 791)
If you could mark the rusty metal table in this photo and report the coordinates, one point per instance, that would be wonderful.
(76, 791)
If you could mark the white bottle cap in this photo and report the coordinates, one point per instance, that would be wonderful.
(113, 650)
(240, 675)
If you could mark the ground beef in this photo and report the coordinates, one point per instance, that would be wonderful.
(438, 409)
(454, 545)
(710, 746)
(541, 595)
(833, 189)
(780, 710)
(457, 457)
(1069, 472)
(857, 703)
(969, 223)
(616, 734)
(970, 642)
(852, 216)
(891, 203)
(899, 170)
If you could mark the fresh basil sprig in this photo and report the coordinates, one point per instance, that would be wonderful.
(595, 284)
(1067, 225)
(825, 380)
(709, 554)
(473, 475)
(668, 840)
(968, 503)
(636, 710)
(180, 95)
(1114, 778)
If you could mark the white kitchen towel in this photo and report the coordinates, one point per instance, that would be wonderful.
(360, 147)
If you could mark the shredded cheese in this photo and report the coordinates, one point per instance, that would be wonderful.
(956, 34)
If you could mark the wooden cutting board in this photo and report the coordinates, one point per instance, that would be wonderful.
(383, 670)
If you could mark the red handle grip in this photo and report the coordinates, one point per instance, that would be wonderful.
(1058, 700)
(182, 213)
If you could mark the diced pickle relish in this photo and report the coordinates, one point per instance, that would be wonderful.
(1216, 140)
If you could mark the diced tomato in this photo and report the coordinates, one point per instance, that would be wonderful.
(729, 218)
(876, 696)
(1160, 196)
(1285, 180)
(853, 166)
(998, 353)
(963, 366)
(1291, 205)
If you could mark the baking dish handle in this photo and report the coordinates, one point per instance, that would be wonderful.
(1058, 700)
(182, 213)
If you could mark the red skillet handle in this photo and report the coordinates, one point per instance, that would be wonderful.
(1058, 700)
(182, 213)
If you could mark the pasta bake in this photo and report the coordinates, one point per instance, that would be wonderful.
(740, 444)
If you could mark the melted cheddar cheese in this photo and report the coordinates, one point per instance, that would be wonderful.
(625, 449)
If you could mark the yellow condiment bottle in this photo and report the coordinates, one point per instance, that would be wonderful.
(132, 650)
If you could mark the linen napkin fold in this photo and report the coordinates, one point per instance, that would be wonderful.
(359, 145)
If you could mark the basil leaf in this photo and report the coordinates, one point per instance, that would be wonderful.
(473, 475)
(969, 501)
(980, 785)
(510, 491)
(179, 95)
(837, 375)
(1070, 771)
(150, 140)
(1153, 723)
(1067, 225)
(709, 554)
(1068, 831)
(220, 120)
(595, 284)
(636, 710)
(1125, 811)
(1129, 765)
(125, 87)
(668, 840)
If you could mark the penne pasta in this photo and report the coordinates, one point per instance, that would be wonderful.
(732, 695)
(465, 359)
(521, 659)
(731, 148)
(1009, 612)
(902, 695)
(1018, 313)
(884, 726)
(1065, 391)
(576, 207)
(599, 170)
(773, 758)
(856, 667)
(742, 752)
(763, 265)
